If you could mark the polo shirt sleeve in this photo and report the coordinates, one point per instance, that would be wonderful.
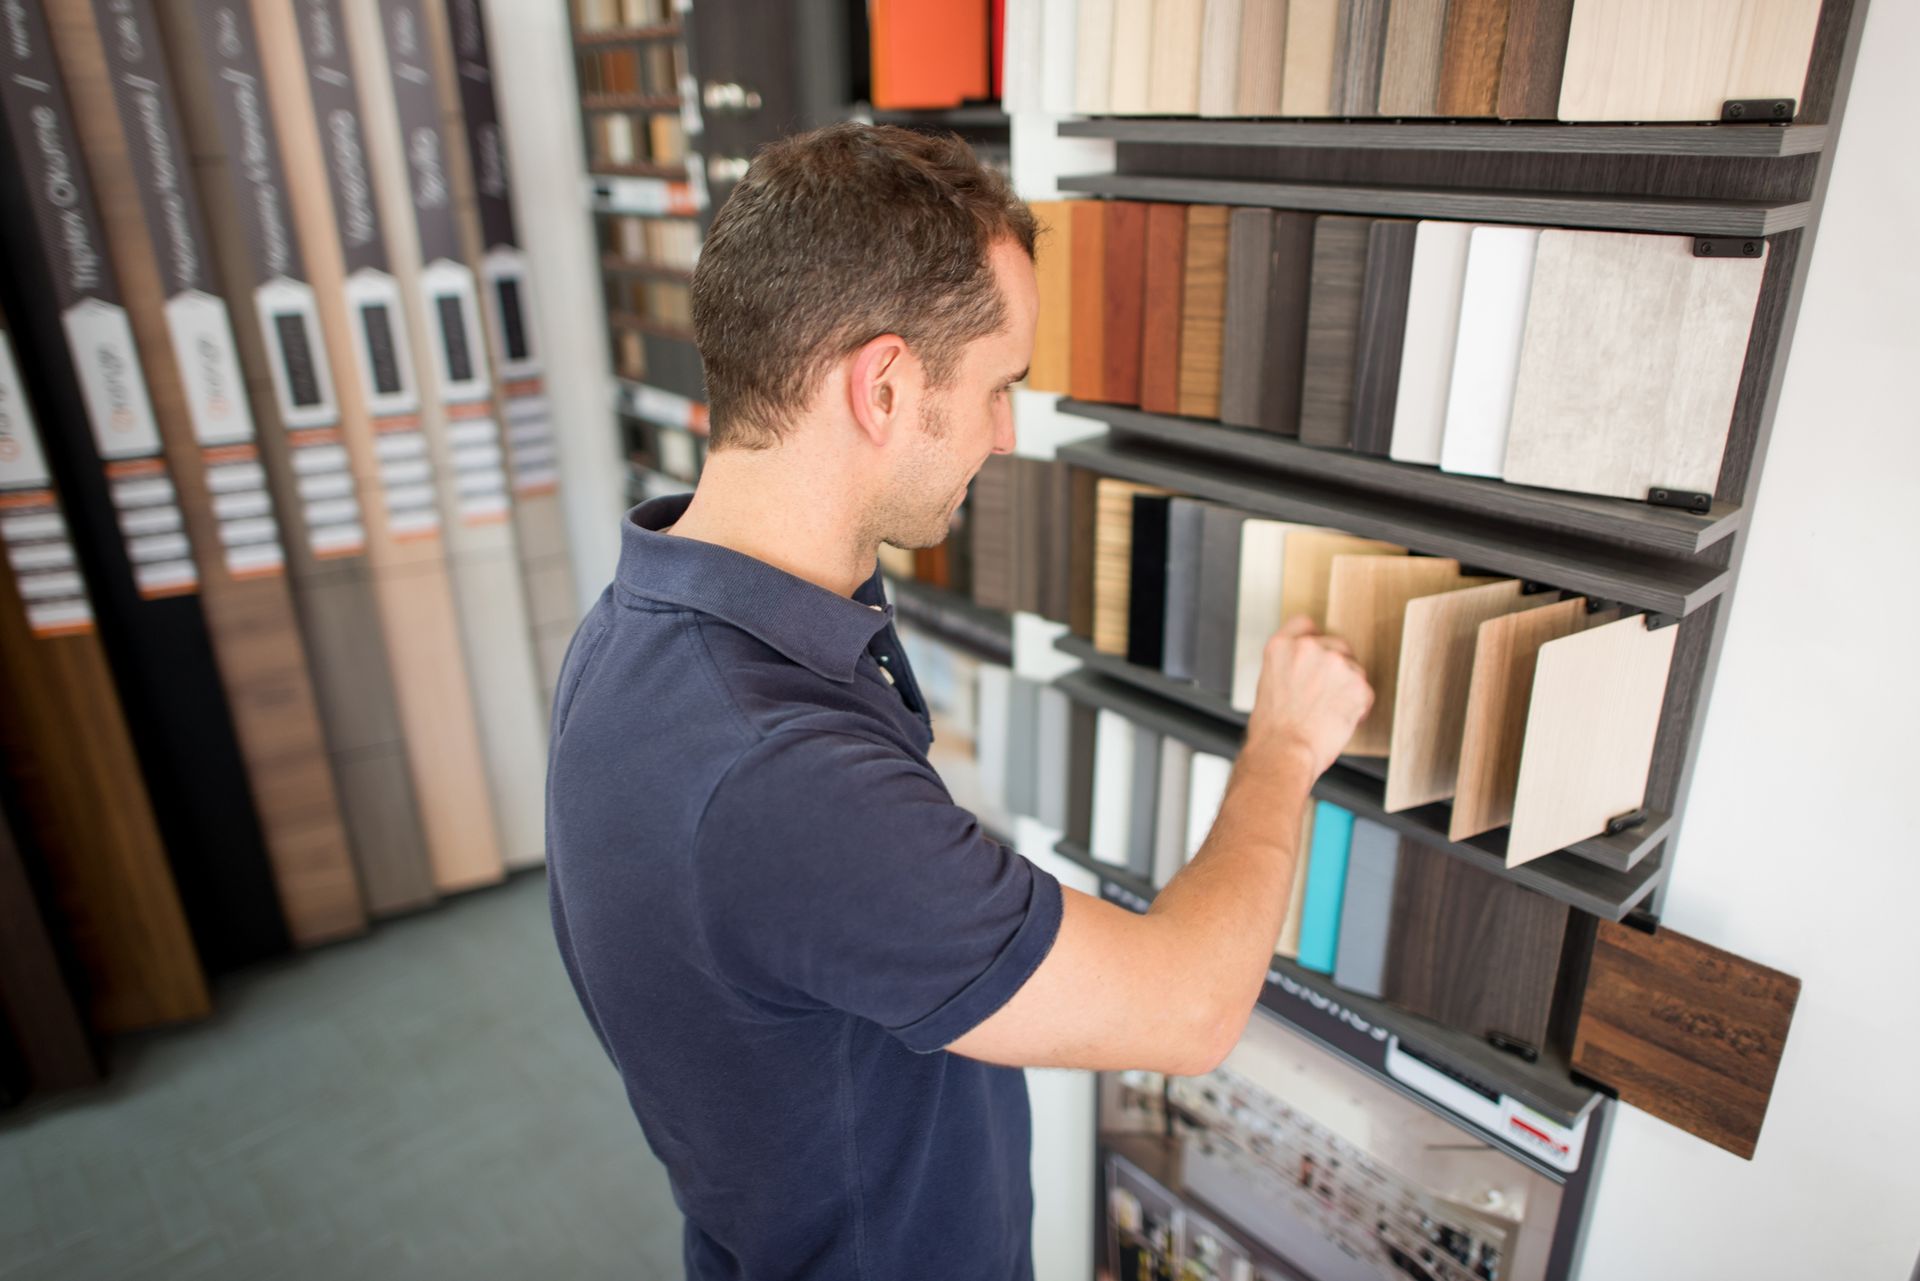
(835, 872)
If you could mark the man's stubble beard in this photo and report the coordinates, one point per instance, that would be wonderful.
(918, 511)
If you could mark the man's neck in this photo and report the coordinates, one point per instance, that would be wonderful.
(774, 506)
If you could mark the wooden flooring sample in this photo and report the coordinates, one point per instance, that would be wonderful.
(1591, 722)
(1473, 950)
(1367, 600)
(1124, 293)
(990, 533)
(1170, 811)
(1243, 357)
(1083, 558)
(1486, 352)
(1147, 587)
(1220, 57)
(1268, 376)
(1052, 363)
(1263, 54)
(1161, 312)
(1173, 68)
(1288, 944)
(1113, 562)
(1203, 311)
(1132, 67)
(1631, 364)
(1364, 47)
(1438, 279)
(1186, 522)
(1307, 568)
(1648, 60)
(1410, 58)
(1470, 56)
(1313, 38)
(1086, 373)
(1495, 725)
(1383, 332)
(1535, 56)
(41, 1016)
(135, 147)
(1093, 60)
(1685, 1032)
(1220, 535)
(1333, 330)
(1257, 613)
(1326, 887)
(1366, 909)
(1430, 692)
(1113, 770)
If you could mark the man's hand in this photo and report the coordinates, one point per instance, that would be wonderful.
(1312, 695)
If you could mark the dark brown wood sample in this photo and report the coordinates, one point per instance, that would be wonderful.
(1243, 353)
(1160, 310)
(1383, 330)
(1362, 46)
(216, 61)
(1124, 291)
(159, 246)
(1203, 311)
(990, 532)
(1535, 54)
(78, 356)
(1083, 511)
(1333, 329)
(39, 1003)
(1471, 949)
(1086, 372)
(1470, 56)
(1685, 1031)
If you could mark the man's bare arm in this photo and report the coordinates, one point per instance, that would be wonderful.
(1172, 990)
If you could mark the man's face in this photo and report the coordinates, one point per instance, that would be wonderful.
(960, 424)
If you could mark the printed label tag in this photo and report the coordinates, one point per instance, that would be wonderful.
(303, 385)
(531, 450)
(32, 527)
(453, 311)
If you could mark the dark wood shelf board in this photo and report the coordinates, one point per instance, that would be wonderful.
(1661, 529)
(949, 616)
(1749, 141)
(640, 267)
(1646, 582)
(629, 102)
(628, 35)
(1580, 880)
(1532, 208)
(1546, 1084)
(640, 324)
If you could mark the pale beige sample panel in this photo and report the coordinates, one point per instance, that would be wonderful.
(1367, 605)
(1683, 59)
(1306, 83)
(1306, 568)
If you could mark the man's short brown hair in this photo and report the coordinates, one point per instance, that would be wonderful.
(833, 238)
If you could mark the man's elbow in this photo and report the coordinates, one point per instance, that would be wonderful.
(1214, 1029)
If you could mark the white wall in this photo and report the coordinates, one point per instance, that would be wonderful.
(1801, 847)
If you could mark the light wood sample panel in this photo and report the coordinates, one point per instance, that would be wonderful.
(1052, 362)
(1333, 329)
(206, 424)
(1367, 600)
(1307, 569)
(1410, 57)
(1263, 55)
(1113, 561)
(1093, 57)
(1288, 944)
(1430, 702)
(1132, 71)
(1220, 56)
(1203, 311)
(1438, 278)
(1173, 67)
(1631, 364)
(1651, 60)
(1495, 725)
(1258, 613)
(1307, 74)
(1685, 1031)
(1486, 350)
(1591, 723)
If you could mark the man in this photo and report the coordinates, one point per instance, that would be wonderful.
(816, 976)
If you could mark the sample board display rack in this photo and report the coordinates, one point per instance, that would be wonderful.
(953, 619)
(1749, 140)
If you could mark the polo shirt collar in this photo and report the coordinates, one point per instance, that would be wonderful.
(818, 629)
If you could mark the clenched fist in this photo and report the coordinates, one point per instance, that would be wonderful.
(1311, 696)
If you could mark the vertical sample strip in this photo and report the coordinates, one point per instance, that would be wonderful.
(1486, 354)
(1383, 331)
(1333, 330)
(1203, 311)
(1086, 375)
(1435, 283)
(1367, 600)
(1160, 317)
(1366, 910)
(1053, 275)
(1326, 887)
(1124, 293)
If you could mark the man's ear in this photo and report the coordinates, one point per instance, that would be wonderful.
(879, 385)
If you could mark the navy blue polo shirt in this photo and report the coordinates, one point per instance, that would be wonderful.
(775, 918)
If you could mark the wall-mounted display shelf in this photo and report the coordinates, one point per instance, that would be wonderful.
(954, 618)
(1754, 141)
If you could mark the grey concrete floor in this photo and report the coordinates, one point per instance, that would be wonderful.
(426, 1102)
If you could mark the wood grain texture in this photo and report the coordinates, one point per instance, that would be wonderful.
(1367, 600)
(1495, 723)
(1307, 569)
(1434, 288)
(1644, 60)
(1383, 331)
(1685, 1031)
(1258, 613)
(1410, 57)
(1289, 283)
(1591, 722)
(1472, 950)
(1125, 294)
(1536, 54)
(1113, 562)
(1263, 54)
(1430, 692)
(40, 1011)
(411, 580)
(256, 638)
(1313, 37)
(1052, 362)
(1082, 557)
(1470, 57)
(1220, 57)
(1132, 69)
(1288, 944)
(1486, 352)
(1161, 310)
(1086, 375)
(1630, 364)
(990, 518)
(1363, 46)
(1173, 87)
(1333, 330)
(1093, 57)
(1203, 310)
(1243, 357)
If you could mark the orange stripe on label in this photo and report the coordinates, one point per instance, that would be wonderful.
(265, 571)
(57, 630)
(316, 436)
(535, 491)
(136, 467)
(519, 387)
(492, 518)
(341, 553)
(475, 409)
(216, 454)
(417, 536)
(161, 593)
(399, 422)
(27, 498)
